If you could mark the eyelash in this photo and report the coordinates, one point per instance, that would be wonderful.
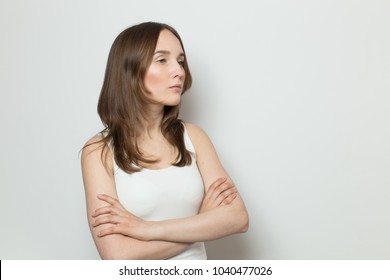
(163, 60)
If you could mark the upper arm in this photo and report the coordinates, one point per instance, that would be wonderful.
(207, 159)
(211, 168)
(98, 180)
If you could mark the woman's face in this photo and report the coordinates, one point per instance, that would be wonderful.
(165, 76)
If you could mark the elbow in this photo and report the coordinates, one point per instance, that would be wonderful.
(117, 256)
(112, 255)
(244, 226)
(119, 253)
(241, 222)
(114, 252)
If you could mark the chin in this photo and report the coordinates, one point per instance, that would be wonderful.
(172, 102)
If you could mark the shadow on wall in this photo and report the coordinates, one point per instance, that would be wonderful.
(190, 107)
(234, 247)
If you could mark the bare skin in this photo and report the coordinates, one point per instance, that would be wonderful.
(118, 234)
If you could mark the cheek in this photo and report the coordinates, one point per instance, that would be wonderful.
(153, 79)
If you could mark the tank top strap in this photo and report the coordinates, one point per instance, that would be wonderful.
(187, 141)
(110, 148)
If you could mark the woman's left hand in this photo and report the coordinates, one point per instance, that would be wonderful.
(122, 221)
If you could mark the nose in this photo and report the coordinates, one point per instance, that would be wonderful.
(178, 71)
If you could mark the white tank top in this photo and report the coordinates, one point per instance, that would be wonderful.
(169, 193)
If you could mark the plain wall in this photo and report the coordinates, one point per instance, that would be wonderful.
(294, 95)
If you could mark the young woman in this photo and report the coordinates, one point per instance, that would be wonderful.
(154, 185)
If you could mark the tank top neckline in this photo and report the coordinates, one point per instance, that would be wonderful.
(158, 169)
(189, 145)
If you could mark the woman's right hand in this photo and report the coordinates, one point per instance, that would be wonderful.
(220, 192)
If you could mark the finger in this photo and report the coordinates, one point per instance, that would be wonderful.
(215, 196)
(218, 200)
(108, 231)
(105, 210)
(106, 220)
(110, 200)
(221, 189)
(229, 199)
(107, 198)
(224, 195)
(226, 191)
(217, 188)
(217, 182)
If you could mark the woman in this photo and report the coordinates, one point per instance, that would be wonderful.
(155, 188)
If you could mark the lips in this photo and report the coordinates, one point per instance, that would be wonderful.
(177, 86)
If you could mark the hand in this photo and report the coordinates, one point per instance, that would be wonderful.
(220, 192)
(123, 222)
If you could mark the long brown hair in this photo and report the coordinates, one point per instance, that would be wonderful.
(123, 96)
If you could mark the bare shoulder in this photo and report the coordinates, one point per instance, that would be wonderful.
(207, 159)
(95, 143)
(198, 135)
(94, 154)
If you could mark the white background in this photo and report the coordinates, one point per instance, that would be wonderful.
(294, 94)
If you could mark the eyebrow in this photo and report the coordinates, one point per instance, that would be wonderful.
(167, 52)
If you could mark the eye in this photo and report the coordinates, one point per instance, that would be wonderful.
(181, 62)
(162, 60)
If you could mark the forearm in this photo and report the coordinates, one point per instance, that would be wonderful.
(122, 247)
(115, 246)
(216, 223)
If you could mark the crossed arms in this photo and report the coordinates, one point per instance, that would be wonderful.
(118, 234)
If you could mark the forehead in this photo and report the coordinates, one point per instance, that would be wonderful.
(167, 41)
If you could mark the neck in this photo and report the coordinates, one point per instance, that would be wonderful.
(153, 121)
